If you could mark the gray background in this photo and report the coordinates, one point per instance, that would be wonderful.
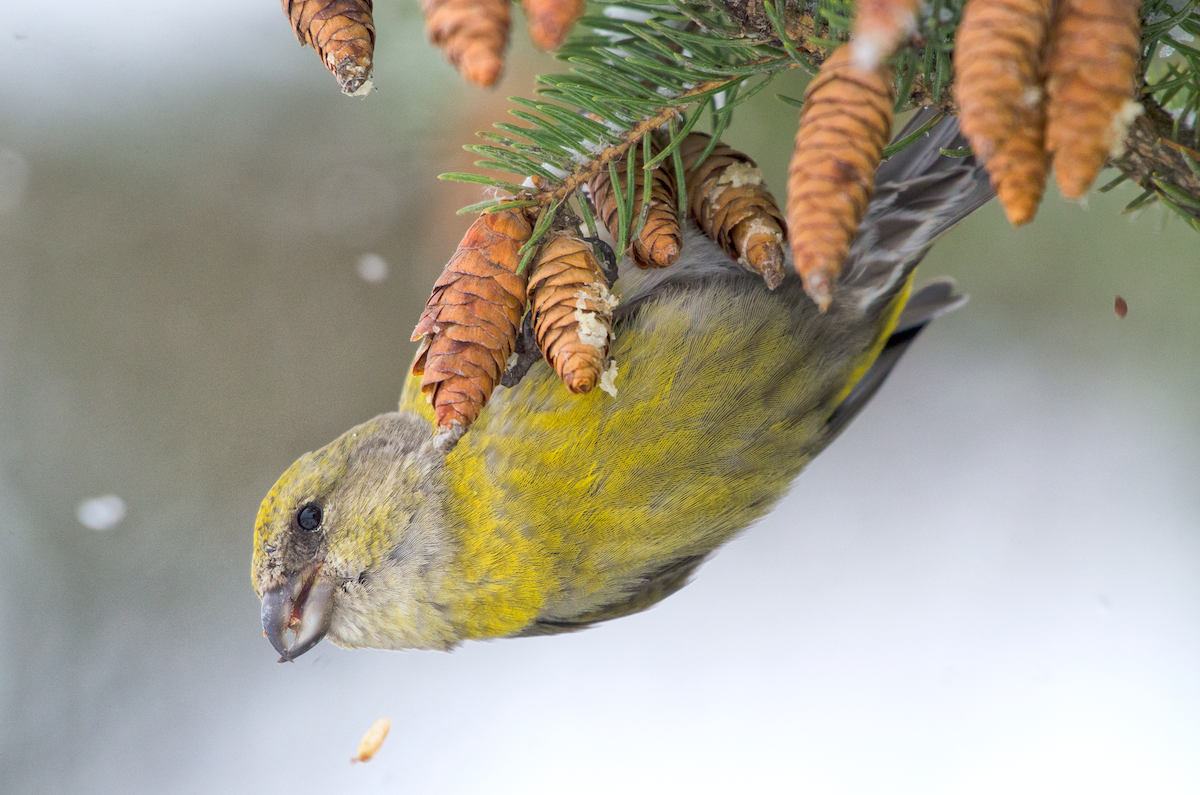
(991, 583)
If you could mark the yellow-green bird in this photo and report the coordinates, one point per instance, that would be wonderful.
(557, 511)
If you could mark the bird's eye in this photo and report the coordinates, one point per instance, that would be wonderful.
(309, 517)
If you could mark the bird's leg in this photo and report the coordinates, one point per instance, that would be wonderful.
(526, 353)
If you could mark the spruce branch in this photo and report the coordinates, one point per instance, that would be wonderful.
(585, 172)
(1167, 170)
(648, 66)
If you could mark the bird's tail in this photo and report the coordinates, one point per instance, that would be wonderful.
(919, 194)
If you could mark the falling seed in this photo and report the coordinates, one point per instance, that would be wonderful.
(1121, 307)
(101, 513)
(372, 740)
(372, 268)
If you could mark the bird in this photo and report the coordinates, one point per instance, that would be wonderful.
(555, 512)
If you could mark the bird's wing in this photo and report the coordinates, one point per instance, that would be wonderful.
(651, 590)
(919, 194)
(929, 302)
(926, 304)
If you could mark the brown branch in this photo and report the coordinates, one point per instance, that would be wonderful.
(1152, 157)
(751, 17)
(581, 176)
(584, 174)
(921, 96)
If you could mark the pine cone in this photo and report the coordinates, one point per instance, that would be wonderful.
(550, 21)
(879, 25)
(473, 35)
(844, 127)
(1018, 168)
(471, 320)
(998, 85)
(572, 311)
(1091, 80)
(659, 243)
(730, 202)
(342, 33)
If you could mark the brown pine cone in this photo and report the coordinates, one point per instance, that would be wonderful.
(471, 320)
(998, 85)
(1018, 168)
(472, 34)
(844, 127)
(659, 243)
(998, 67)
(550, 21)
(572, 311)
(343, 34)
(730, 202)
(1091, 81)
(879, 25)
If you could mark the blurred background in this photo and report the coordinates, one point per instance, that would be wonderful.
(210, 263)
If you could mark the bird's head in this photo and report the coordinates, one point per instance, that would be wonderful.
(350, 542)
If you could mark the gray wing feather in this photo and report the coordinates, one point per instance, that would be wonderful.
(932, 300)
(919, 194)
(927, 303)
